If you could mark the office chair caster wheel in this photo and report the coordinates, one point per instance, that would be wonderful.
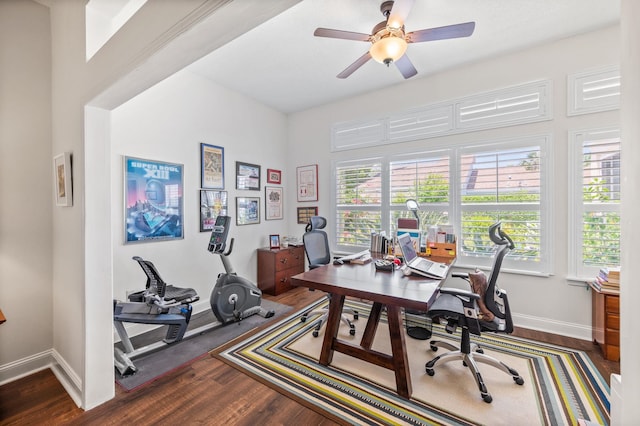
(434, 348)
(480, 351)
(487, 398)
(315, 333)
(355, 315)
(352, 331)
(519, 380)
(303, 318)
(430, 371)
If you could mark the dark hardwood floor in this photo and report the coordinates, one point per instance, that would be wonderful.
(205, 392)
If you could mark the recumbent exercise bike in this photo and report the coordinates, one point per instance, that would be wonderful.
(233, 298)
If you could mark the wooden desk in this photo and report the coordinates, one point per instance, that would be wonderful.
(392, 290)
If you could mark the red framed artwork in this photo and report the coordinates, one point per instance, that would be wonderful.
(274, 176)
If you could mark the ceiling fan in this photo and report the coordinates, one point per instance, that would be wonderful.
(389, 39)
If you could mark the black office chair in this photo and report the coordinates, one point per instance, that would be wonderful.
(316, 246)
(485, 308)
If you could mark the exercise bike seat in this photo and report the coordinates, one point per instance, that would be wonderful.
(156, 285)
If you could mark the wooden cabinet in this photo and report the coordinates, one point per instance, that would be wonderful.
(606, 322)
(277, 266)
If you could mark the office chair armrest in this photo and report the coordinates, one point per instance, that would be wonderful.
(463, 275)
(459, 292)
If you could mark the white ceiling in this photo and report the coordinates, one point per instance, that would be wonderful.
(281, 64)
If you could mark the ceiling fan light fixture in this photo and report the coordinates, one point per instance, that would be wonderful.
(388, 49)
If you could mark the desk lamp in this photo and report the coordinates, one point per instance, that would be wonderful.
(420, 329)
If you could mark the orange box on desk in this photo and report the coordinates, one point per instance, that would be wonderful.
(442, 249)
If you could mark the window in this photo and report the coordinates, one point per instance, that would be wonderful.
(469, 188)
(426, 180)
(595, 201)
(358, 202)
(503, 182)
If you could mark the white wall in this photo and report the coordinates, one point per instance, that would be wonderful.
(26, 187)
(167, 123)
(549, 304)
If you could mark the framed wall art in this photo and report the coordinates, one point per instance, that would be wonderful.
(274, 241)
(307, 183)
(274, 176)
(153, 192)
(247, 176)
(211, 166)
(273, 202)
(212, 205)
(62, 178)
(305, 213)
(247, 210)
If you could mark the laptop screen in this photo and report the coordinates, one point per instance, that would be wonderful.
(406, 245)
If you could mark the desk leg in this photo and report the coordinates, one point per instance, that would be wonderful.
(331, 329)
(372, 326)
(400, 360)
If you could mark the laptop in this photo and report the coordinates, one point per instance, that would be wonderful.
(418, 264)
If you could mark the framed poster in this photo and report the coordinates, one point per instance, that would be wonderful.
(212, 205)
(62, 178)
(273, 202)
(211, 166)
(305, 213)
(153, 193)
(247, 210)
(247, 176)
(274, 176)
(307, 183)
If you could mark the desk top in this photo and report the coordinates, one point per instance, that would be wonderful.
(363, 281)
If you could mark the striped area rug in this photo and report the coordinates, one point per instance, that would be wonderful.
(561, 385)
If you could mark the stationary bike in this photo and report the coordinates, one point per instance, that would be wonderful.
(233, 298)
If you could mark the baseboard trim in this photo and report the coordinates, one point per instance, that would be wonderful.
(26, 366)
(577, 331)
(70, 381)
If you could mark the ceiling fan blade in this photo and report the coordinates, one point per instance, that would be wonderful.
(399, 13)
(346, 35)
(354, 66)
(441, 33)
(406, 67)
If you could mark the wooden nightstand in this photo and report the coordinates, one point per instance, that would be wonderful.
(606, 322)
(277, 266)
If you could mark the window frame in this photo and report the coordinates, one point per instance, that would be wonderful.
(541, 268)
(578, 271)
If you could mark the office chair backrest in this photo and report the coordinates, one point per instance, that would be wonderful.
(316, 242)
(492, 300)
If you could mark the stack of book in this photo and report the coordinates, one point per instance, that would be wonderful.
(607, 279)
(379, 243)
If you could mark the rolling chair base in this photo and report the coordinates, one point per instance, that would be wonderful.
(471, 360)
(324, 314)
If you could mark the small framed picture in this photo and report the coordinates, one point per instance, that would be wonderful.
(212, 205)
(307, 181)
(274, 241)
(247, 210)
(62, 178)
(247, 176)
(273, 202)
(211, 166)
(274, 176)
(305, 213)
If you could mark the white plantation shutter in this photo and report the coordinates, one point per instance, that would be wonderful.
(504, 183)
(595, 203)
(594, 91)
(525, 103)
(522, 104)
(358, 195)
